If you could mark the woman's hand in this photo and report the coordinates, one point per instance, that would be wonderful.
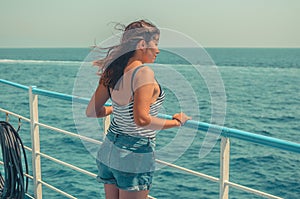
(181, 118)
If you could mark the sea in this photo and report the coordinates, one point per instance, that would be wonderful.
(260, 94)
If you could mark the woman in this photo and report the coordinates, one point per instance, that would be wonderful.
(125, 159)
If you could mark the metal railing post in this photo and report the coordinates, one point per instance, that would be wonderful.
(6, 117)
(35, 141)
(224, 167)
(106, 123)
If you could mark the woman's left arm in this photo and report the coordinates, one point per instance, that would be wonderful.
(96, 106)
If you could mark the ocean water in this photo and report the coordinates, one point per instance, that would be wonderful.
(262, 96)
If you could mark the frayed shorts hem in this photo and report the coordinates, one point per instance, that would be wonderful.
(131, 189)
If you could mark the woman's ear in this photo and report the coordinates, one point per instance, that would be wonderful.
(141, 45)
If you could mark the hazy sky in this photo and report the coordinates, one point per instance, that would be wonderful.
(212, 23)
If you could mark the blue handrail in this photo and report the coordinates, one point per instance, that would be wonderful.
(225, 132)
(14, 84)
(61, 96)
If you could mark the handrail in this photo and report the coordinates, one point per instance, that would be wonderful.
(202, 126)
(83, 171)
(14, 84)
(225, 132)
(246, 136)
(88, 173)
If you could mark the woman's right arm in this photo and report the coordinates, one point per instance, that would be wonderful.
(142, 118)
(96, 106)
(143, 97)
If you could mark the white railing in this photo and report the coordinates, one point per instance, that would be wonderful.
(226, 134)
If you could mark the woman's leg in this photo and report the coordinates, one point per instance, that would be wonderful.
(111, 191)
(133, 194)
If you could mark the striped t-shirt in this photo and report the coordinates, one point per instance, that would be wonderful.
(123, 121)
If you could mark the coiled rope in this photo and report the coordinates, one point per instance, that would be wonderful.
(12, 186)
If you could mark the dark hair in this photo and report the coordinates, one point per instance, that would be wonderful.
(112, 67)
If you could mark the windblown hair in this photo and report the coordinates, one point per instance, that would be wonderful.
(111, 67)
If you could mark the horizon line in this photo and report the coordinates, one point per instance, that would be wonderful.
(87, 47)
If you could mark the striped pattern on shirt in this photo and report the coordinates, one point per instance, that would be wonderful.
(123, 121)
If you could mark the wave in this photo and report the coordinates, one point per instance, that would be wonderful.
(74, 62)
(171, 63)
(22, 61)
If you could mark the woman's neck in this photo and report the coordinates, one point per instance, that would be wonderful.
(132, 64)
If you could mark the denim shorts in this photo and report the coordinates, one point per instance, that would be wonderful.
(126, 161)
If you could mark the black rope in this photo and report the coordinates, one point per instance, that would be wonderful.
(12, 186)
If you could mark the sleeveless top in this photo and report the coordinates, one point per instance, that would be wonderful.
(123, 121)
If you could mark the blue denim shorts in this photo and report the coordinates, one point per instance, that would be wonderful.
(126, 161)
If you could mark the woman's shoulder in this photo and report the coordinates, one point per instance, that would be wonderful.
(143, 75)
(143, 72)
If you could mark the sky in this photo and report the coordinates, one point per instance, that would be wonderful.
(212, 23)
